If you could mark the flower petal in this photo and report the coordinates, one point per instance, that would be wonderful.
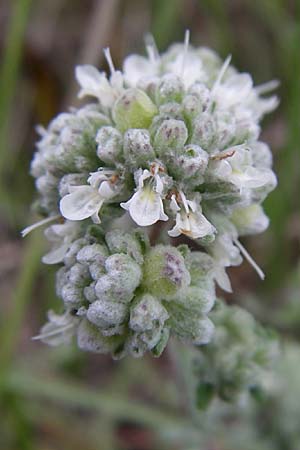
(90, 80)
(106, 190)
(199, 226)
(56, 255)
(222, 278)
(94, 83)
(82, 203)
(137, 67)
(145, 207)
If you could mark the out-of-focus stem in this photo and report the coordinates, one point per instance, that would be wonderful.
(11, 327)
(10, 69)
(114, 407)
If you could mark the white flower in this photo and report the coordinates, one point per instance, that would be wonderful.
(228, 251)
(186, 65)
(233, 91)
(224, 251)
(86, 201)
(250, 219)
(145, 206)
(96, 84)
(181, 60)
(189, 219)
(58, 330)
(237, 168)
(137, 68)
(61, 235)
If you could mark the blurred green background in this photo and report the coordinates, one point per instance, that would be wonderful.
(64, 399)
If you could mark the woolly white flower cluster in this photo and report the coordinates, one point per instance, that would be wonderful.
(173, 138)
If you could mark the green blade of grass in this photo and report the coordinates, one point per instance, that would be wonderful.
(11, 327)
(10, 70)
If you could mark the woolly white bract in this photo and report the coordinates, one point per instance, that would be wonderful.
(172, 138)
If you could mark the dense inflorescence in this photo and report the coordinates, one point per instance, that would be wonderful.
(171, 140)
(124, 297)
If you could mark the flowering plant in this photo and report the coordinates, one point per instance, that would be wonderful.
(169, 147)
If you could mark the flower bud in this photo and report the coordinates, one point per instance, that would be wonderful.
(109, 142)
(202, 93)
(189, 325)
(138, 151)
(133, 109)
(169, 89)
(72, 295)
(204, 131)
(196, 100)
(200, 266)
(146, 313)
(192, 107)
(165, 272)
(90, 339)
(191, 165)
(171, 111)
(170, 136)
(78, 275)
(225, 129)
(123, 277)
(200, 298)
(94, 256)
(133, 244)
(107, 314)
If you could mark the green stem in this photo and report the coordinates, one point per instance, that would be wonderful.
(76, 395)
(11, 328)
(181, 356)
(10, 69)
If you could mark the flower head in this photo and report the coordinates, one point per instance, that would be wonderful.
(174, 137)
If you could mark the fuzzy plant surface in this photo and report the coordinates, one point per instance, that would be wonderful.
(250, 351)
(167, 148)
